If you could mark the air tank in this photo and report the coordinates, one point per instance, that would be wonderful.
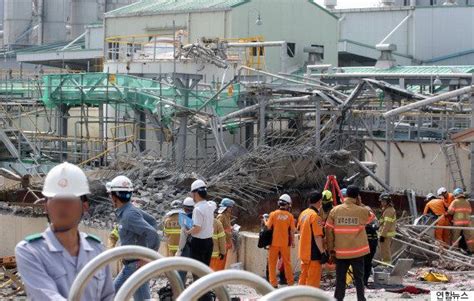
(18, 15)
(54, 20)
(83, 12)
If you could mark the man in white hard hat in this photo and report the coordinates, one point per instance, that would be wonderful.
(171, 227)
(203, 224)
(49, 262)
(283, 224)
(135, 228)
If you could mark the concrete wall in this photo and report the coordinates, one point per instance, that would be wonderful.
(423, 175)
(13, 229)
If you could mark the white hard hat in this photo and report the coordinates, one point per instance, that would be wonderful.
(65, 180)
(188, 202)
(198, 184)
(285, 198)
(441, 191)
(213, 205)
(120, 183)
(176, 204)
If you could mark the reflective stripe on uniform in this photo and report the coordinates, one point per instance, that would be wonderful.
(352, 251)
(457, 210)
(173, 247)
(172, 230)
(389, 219)
(391, 234)
(218, 235)
(461, 222)
(348, 229)
(215, 254)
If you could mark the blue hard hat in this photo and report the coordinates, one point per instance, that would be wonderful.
(458, 191)
(344, 192)
(226, 202)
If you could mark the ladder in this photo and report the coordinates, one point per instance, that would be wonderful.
(452, 161)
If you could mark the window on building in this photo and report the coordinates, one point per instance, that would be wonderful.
(290, 49)
(113, 51)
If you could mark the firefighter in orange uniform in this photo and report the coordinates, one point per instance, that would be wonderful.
(461, 211)
(218, 239)
(387, 227)
(225, 215)
(311, 249)
(437, 207)
(283, 224)
(347, 241)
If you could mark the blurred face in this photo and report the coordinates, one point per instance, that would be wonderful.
(65, 213)
(188, 209)
(383, 203)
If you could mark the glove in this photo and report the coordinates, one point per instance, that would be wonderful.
(382, 239)
(221, 256)
(324, 258)
(332, 257)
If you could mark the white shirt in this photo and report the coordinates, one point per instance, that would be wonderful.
(203, 216)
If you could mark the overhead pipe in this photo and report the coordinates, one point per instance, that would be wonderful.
(427, 101)
(257, 44)
(410, 14)
(293, 292)
(162, 266)
(108, 256)
(392, 75)
(216, 279)
(256, 106)
(371, 174)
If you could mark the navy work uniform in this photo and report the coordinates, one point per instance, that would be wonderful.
(48, 270)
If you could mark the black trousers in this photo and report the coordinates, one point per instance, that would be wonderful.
(342, 265)
(201, 249)
(368, 259)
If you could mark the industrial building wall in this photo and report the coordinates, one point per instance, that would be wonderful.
(298, 21)
(413, 171)
(197, 24)
(441, 35)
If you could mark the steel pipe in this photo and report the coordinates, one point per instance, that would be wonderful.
(428, 101)
(297, 292)
(162, 266)
(108, 256)
(216, 279)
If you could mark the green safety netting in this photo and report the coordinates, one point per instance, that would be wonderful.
(94, 89)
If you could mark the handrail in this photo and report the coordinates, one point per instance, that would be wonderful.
(216, 279)
(108, 256)
(165, 265)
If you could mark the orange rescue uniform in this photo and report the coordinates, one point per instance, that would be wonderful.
(218, 239)
(438, 207)
(310, 226)
(224, 218)
(283, 224)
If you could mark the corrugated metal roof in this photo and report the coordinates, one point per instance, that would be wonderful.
(52, 47)
(150, 7)
(412, 69)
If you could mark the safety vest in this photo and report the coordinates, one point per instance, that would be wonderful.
(218, 239)
(225, 220)
(172, 231)
(345, 230)
(388, 222)
(461, 210)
